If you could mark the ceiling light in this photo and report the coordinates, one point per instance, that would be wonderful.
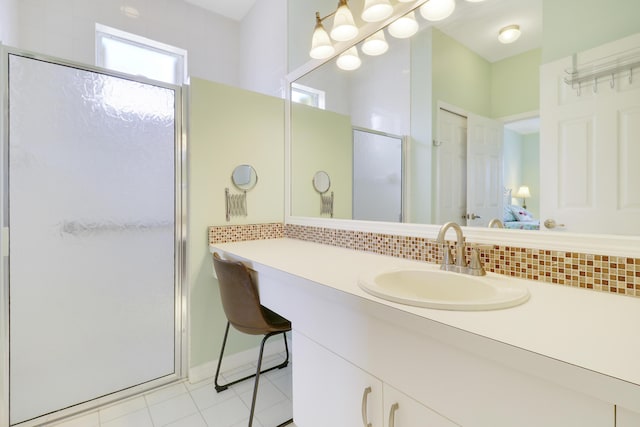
(344, 27)
(130, 11)
(349, 59)
(404, 27)
(321, 46)
(376, 10)
(375, 44)
(437, 10)
(509, 34)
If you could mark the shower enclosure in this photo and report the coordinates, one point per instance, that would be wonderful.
(378, 176)
(93, 238)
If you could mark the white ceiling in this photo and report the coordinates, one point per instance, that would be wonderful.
(476, 26)
(234, 9)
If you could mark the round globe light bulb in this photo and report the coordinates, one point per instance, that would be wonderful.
(376, 10)
(344, 27)
(349, 60)
(404, 27)
(437, 10)
(375, 45)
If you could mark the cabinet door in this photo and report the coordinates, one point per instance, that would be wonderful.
(627, 418)
(409, 412)
(330, 391)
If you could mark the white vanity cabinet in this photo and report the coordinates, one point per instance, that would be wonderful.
(343, 344)
(526, 366)
(401, 410)
(627, 418)
(333, 392)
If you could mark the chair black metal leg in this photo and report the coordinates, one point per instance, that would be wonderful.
(258, 372)
(222, 387)
(257, 375)
(219, 387)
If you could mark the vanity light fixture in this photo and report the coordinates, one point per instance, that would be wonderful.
(376, 10)
(437, 10)
(405, 26)
(344, 26)
(509, 34)
(321, 46)
(349, 59)
(375, 44)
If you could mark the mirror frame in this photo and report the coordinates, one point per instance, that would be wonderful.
(253, 178)
(317, 177)
(601, 244)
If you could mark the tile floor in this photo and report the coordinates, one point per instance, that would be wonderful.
(198, 405)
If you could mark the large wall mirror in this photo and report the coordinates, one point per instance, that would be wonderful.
(470, 114)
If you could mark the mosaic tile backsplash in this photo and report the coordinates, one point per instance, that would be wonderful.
(603, 273)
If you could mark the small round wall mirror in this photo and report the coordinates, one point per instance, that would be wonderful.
(244, 177)
(321, 182)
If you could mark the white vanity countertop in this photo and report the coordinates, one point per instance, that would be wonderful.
(593, 330)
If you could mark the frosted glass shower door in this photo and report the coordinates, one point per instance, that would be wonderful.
(377, 176)
(92, 235)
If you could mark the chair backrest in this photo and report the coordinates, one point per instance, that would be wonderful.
(239, 296)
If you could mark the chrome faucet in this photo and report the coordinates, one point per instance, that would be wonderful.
(460, 262)
(474, 268)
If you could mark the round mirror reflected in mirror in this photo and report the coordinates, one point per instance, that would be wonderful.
(244, 177)
(321, 182)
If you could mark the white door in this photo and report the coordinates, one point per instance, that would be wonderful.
(377, 176)
(484, 170)
(589, 145)
(92, 218)
(468, 162)
(450, 158)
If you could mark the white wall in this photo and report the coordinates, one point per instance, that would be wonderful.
(263, 47)
(375, 103)
(8, 21)
(66, 28)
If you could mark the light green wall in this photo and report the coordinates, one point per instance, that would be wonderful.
(323, 142)
(459, 76)
(466, 80)
(515, 84)
(571, 26)
(228, 127)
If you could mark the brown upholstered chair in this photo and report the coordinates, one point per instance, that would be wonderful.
(241, 304)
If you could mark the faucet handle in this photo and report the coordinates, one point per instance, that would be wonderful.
(476, 263)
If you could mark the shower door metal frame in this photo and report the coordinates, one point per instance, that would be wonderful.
(180, 240)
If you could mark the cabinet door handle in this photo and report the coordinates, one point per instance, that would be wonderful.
(365, 394)
(392, 414)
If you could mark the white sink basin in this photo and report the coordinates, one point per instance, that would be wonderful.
(444, 290)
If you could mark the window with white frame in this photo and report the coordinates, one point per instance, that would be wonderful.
(307, 95)
(132, 54)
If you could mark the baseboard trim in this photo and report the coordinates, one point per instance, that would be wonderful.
(233, 361)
